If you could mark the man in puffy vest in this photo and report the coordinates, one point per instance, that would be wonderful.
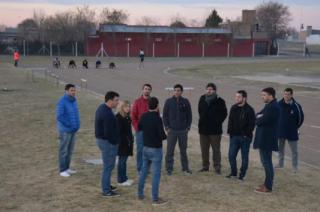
(68, 121)
(291, 119)
(16, 58)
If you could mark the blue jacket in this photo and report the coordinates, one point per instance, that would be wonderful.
(291, 118)
(177, 114)
(67, 114)
(106, 126)
(266, 136)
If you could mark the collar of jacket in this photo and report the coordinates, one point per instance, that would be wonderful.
(291, 102)
(69, 98)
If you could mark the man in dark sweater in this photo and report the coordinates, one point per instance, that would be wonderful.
(107, 135)
(266, 136)
(240, 127)
(177, 118)
(153, 135)
(212, 113)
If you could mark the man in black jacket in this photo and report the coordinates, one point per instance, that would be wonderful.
(212, 113)
(177, 118)
(266, 136)
(107, 138)
(240, 127)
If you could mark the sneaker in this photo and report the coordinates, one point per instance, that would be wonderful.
(187, 172)
(218, 172)
(231, 176)
(169, 173)
(113, 188)
(203, 170)
(279, 167)
(126, 183)
(260, 186)
(65, 174)
(241, 178)
(159, 202)
(262, 190)
(70, 171)
(111, 194)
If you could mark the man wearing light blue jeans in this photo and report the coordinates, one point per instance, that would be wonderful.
(107, 138)
(68, 121)
(153, 134)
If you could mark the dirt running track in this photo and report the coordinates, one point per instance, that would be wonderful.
(127, 80)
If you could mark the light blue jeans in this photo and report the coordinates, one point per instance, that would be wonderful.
(66, 146)
(294, 152)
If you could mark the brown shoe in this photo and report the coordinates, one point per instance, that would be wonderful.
(260, 186)
(262, 190)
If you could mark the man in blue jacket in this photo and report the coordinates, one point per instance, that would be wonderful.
(107, 139)
(68, 121)
(177, 119)
(291, 119)
(266, 137)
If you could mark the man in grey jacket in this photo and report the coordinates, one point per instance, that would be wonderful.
(177, 118)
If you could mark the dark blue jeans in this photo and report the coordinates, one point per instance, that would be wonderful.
(122, 169)
(151, 157)
(109, 153)
(239, 143)
(139, 141)
(66, 146)
(266, 160)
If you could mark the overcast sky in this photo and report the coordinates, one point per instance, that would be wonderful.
(303, 11)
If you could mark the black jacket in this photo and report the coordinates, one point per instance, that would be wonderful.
(125, 136)
(211, 116)
(241, 121)
(266, 136)
(152, 127)
(106, 124)
(177, 114)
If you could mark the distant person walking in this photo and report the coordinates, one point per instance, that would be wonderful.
(107, 139)
(266, 136)
(291, 119)
(240, 128)
(153, 134)
(177, 118)
(212, 113)
(125, 143)
(68, 121)
(16, 58)
(139, 107)
(307, 52)
(141, 56)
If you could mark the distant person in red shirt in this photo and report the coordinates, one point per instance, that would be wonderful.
(16, 58)
(139, 107)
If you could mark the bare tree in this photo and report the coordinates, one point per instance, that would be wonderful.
(274, 18)
(28, 30)
(84, 22)
(113, 16)
(2, 27)
(147, 21)
(178, 21)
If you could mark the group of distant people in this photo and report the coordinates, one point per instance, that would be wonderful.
(276, 123)
(72, 64)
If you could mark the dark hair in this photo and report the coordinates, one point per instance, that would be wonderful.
(243, 93)
(270, 91)
(178, 86)
(68, 86)
(110, 95)
(212, 85)
(290, 90)
(146, 85)
(153, 103)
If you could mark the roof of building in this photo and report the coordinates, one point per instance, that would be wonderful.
(160, 29)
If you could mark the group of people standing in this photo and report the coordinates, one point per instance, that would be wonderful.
(275, 123)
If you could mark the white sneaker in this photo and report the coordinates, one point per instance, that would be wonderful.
(70, 171)
(126, 183)
(64, 174)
